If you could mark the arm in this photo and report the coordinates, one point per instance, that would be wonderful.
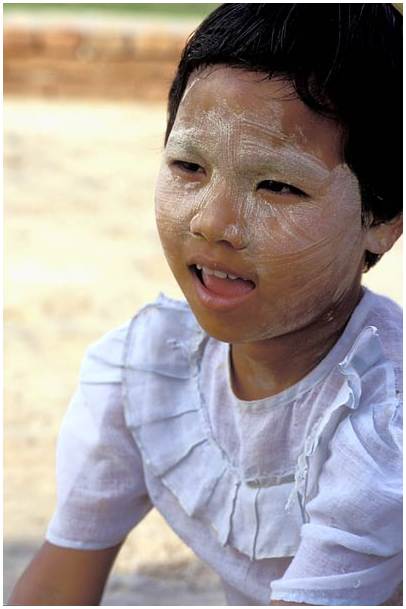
(62, 576)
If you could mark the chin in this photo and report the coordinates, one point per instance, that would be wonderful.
(220, 329)
(225, 329)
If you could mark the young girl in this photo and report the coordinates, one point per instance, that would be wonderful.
(262, 416)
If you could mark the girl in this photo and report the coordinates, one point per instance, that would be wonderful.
(262, 416)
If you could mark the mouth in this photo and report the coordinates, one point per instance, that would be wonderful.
(219, 289)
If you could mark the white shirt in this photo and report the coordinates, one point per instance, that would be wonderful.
(295, 497)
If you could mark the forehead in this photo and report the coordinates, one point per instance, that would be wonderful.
(248, 104)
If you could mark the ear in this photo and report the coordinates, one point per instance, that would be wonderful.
(380, 238)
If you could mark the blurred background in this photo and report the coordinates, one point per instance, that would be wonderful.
(84, 116)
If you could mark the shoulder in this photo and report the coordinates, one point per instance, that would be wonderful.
(162, 318)
(102, 360)
(362, 473)
(384, 308)
(163, 338)
(373, 372)
(375, 347)
(387, 316)
(362, 426)
(141, 341)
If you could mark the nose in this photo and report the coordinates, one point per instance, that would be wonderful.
(219, 221)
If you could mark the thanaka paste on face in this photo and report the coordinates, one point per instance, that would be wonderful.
(305, 252)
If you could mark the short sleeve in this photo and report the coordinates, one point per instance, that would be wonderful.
(101, 494)
(351, 547)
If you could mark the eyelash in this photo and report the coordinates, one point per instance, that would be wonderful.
(187, 167)
(194, 168)
(280, 186)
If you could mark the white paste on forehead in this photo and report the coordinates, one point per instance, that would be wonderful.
(246, 137)
(199, 75)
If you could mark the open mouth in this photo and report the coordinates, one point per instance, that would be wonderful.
(222, 284)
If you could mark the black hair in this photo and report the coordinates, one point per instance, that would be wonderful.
(344, 61)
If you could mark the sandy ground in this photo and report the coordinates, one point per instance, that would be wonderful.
(82, 256)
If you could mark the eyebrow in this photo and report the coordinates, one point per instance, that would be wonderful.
(184, 145)
(289, 161)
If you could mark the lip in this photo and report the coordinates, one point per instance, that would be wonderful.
(217, 265)
(213, 301)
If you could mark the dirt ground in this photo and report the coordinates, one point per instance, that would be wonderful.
(82, 256)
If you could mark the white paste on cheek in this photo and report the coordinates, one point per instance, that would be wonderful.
(325, 269)
(215, 201)
(317, 245)
(333, 216)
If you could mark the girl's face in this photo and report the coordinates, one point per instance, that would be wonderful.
(253, 183)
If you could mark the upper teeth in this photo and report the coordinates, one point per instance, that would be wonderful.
(216, 273)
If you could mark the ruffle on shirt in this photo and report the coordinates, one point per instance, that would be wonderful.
(351, 547)
(364, 360)
(163, 405)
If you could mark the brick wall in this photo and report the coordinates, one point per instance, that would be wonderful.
(134, 60)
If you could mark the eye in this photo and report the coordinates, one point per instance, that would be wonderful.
(186, 167)
(280, 188)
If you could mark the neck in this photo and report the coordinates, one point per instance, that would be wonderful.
(267, 367)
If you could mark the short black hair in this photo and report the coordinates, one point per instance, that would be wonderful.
(344, 61)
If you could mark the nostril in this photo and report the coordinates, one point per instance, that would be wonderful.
(235, 235)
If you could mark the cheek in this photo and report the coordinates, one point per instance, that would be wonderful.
(172, 205)
(312, 231)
